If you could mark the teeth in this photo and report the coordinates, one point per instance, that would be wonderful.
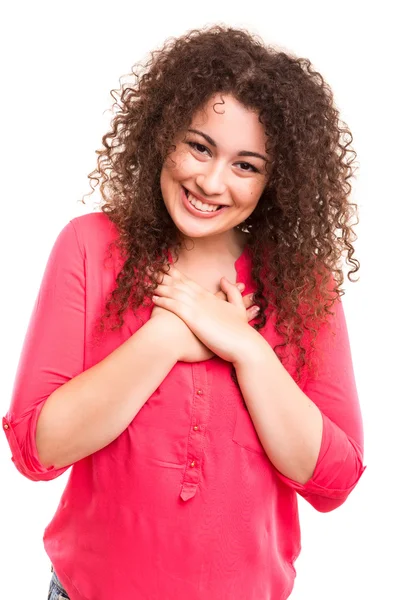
(201, 205)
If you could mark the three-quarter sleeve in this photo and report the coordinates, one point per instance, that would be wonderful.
(340, 461)
(52, 352)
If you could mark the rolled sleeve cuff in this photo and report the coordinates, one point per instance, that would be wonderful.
(23, 447)
(337, 471)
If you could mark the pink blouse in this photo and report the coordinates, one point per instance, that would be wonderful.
(184, 503)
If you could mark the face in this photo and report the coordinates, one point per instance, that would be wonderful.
(219, 161)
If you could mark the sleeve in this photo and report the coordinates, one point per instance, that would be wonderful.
(52, 352)
(340, 461)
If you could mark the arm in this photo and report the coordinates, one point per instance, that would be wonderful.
(60, 414)
(313, 437)
(88, 412)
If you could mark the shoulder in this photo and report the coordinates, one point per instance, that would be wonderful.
(95, 225)
(94, 231)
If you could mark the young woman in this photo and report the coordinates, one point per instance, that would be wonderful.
(191, 421)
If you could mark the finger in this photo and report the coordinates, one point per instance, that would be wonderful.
(252, 312)
(220, 295)
(233, 294)
(248, 300)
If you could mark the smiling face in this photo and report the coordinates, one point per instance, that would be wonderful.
(219, 161)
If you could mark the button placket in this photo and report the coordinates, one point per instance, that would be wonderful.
(200, 413)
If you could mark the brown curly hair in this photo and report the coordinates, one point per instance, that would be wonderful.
(303, 216)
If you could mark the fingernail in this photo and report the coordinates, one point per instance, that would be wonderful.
(256, 308)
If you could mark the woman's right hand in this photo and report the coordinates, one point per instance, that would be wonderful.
(190, 348)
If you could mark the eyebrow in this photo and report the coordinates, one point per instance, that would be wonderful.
(241, 153)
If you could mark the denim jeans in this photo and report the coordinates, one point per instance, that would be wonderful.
(56, 590)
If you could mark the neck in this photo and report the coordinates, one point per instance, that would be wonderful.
(213, 248)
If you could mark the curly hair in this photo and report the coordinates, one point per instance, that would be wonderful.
(301, 225)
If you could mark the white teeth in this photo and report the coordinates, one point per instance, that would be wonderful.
(200, 205)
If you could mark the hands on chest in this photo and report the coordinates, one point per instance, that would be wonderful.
(200, 323)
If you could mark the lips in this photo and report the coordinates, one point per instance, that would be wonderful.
(187, 192)
(195, 211)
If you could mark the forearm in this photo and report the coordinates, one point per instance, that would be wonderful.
(287, 422)
(95, 407)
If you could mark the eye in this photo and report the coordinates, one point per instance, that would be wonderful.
(197, 146)
(252, 167)
(200, 148)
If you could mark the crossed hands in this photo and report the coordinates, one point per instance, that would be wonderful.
(200, 323)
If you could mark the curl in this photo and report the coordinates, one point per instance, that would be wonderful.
(302, 224)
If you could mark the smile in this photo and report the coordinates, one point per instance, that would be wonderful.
(204, 211)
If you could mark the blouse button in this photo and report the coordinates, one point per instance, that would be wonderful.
(192, 464)
(200, 392)
(5, 426)
(195, 427)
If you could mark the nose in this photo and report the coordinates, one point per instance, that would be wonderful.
(211, 179)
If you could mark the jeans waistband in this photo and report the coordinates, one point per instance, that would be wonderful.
(58, 581)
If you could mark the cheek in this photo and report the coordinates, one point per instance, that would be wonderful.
(184, 166)
(177, 166)
(164, 179)
(252, 194)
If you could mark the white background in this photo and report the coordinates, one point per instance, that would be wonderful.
(59, 63)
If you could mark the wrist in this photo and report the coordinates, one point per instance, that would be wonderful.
(252, 348)
(170, 331)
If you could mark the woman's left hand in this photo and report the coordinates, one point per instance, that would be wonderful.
(221, 326)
